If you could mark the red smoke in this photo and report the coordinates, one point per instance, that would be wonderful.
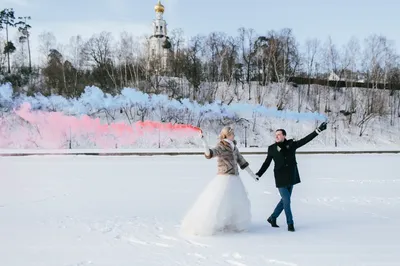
(54, 129)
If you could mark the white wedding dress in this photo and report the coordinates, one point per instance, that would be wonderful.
(223, 206)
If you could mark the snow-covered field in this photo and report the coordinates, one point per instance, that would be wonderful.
(117, 211)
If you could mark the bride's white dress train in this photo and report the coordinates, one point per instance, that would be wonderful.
(223, 206)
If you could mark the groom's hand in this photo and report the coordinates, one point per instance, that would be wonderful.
(255, 177)
(322, 127)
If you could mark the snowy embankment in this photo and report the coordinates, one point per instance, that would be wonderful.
(100, 121)
(97, 211)
(194, 151)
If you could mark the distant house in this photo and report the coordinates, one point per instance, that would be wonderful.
(334, 77)
(347, 75)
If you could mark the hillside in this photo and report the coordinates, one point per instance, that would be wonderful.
(363, 117)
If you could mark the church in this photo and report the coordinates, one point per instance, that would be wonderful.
(159, 44)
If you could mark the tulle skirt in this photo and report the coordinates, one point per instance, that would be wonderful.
(223, 206)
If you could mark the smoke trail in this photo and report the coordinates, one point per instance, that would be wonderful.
(94, 100)
(56, 128)
(101, 120)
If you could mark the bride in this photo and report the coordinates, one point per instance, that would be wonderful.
(224, 205)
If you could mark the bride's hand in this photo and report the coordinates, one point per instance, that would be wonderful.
(201, 134)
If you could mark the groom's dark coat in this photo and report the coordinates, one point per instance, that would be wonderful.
(284, 155)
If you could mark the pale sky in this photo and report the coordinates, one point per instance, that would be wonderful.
(339, 19)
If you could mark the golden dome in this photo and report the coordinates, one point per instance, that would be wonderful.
(159, 8)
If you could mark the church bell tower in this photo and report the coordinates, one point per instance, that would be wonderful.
(159, 48)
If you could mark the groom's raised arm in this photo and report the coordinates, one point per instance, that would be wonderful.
(265, 165)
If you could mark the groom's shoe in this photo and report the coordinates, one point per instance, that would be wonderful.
(291, 227)
(272, 221)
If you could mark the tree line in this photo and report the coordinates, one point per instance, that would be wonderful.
(197, 68)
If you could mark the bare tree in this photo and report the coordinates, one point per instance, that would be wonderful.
(24, 30)
(178, 43)
(47, 41)
(246, 41)
(99, 48)
(99, 52)
(377, 59)
(125, 58)
(371, 104)
(394, 80)
(19, 57)
(348, 70)
(286, 61)
(311, 52)
(76, 57)
(193, 65)
(330, 59)
(3, 57)
(215, 51)
(351, 61)
(7, 21)
(229, 59)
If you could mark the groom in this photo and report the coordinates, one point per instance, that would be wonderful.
(283, 152)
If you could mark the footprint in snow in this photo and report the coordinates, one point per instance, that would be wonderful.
(236, 263)
(131, 239)
(197, 244)
(283, 262)
(197, 255)
(167, 237)
(162, 245)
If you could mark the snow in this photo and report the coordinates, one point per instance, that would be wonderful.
(99, 120)
(186, 151)
(126, 210)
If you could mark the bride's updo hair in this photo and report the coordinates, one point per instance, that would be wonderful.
(225, 132)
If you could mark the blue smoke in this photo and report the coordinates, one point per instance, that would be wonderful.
(93, 100)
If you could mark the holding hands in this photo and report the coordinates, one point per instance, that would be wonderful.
(254, 176)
